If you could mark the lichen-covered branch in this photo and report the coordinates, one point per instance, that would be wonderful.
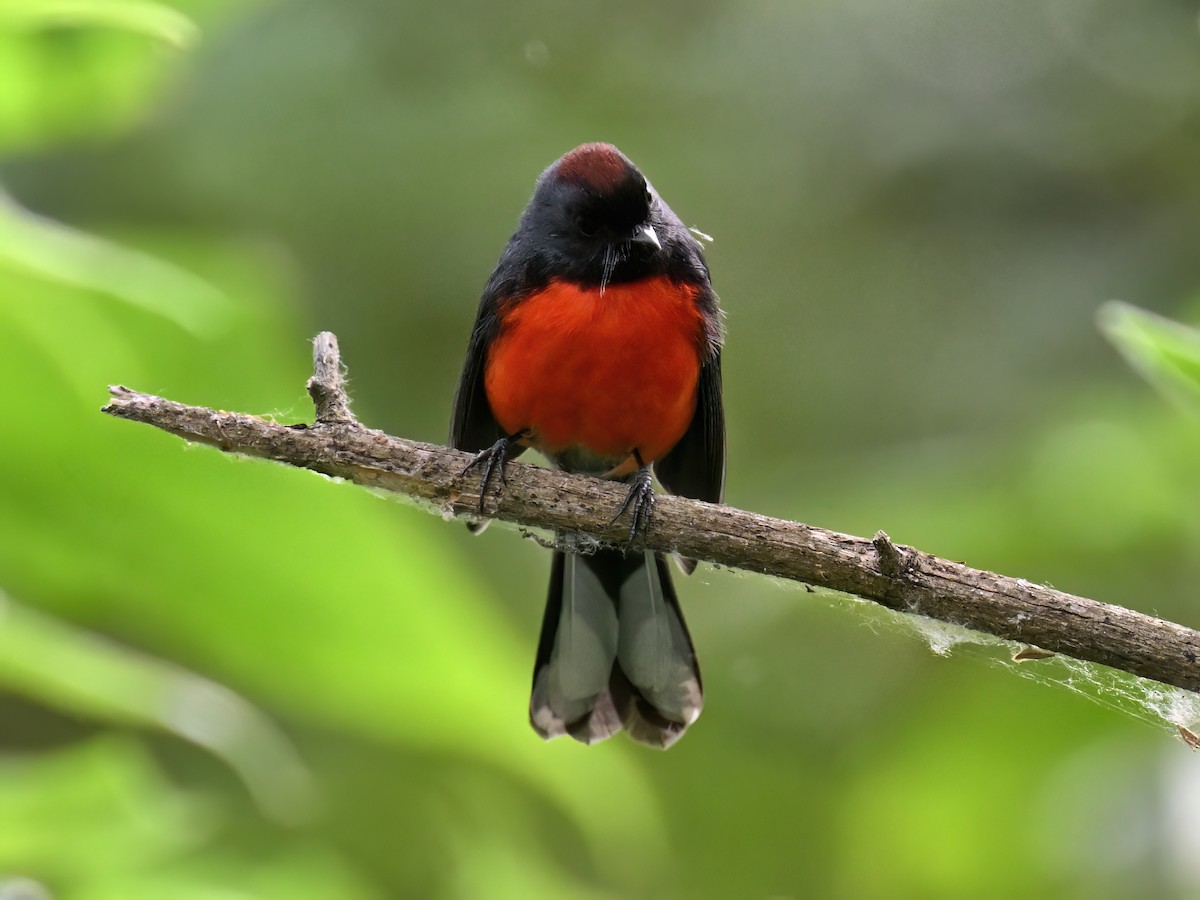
(897, 577)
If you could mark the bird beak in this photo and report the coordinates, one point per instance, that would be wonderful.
(645, 234)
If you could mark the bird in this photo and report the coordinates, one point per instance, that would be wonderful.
(597, 343)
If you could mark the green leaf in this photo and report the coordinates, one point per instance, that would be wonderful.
(156, 20)
(79, 673)
(98, 821)
(74, 69)
(1165, 352)
(105, 800)
(42, 247)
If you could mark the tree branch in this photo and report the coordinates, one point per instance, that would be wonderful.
(897, 577)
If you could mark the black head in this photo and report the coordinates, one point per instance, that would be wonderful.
(594, 219)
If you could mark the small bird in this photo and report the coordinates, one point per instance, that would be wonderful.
(598, 343)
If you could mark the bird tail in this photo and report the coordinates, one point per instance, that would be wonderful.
(614, 652)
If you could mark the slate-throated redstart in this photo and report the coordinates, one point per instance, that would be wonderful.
(598, 343)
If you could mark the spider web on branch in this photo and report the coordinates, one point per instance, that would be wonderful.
(1163, 706)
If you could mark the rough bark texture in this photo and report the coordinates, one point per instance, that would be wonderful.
(897, 577)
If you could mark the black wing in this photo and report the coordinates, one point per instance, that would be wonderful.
(472, 426)
(695, 467)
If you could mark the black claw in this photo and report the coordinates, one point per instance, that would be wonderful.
(639, 501)
(493, 460)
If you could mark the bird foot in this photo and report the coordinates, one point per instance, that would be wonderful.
(639, 502)
(492, 462)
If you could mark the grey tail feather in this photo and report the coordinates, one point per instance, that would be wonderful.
(614, 652)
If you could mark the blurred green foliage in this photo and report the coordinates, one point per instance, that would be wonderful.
(1167, 353)
(918, 209)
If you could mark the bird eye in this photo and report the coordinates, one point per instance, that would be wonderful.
(587, 225)
(649, 198)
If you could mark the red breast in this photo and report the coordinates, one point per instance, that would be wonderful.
(607, 371)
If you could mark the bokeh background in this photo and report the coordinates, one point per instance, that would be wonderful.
(223, 678)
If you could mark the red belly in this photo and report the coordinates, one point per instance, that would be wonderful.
(607, 374)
